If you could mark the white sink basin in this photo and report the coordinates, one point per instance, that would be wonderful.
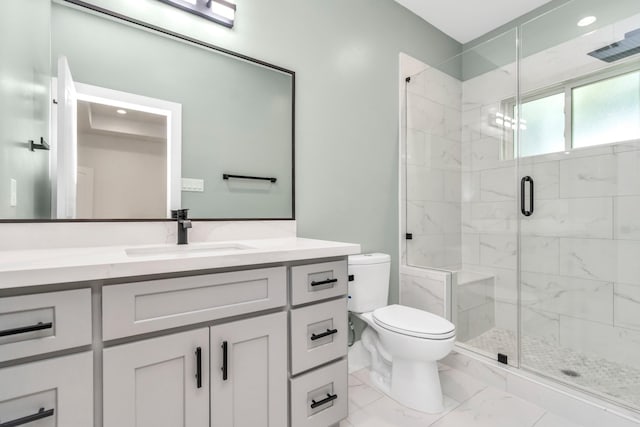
(192, 248)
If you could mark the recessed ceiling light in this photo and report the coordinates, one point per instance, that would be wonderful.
(121, 111)
(586, 21)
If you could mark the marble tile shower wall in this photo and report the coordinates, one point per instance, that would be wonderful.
(581, 247)
(433, 170)
(425, 289)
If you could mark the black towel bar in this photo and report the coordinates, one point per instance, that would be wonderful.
(259, 178)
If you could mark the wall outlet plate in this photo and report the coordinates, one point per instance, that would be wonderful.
(192, 184)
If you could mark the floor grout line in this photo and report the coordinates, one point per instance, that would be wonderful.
(539, 419)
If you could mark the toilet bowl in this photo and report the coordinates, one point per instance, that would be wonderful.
(404, 343)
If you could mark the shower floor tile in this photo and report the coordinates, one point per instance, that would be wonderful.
(618, 381)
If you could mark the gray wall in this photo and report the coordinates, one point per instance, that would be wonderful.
(519, 21)
(345, 54)
(129, 175)
(24, 107)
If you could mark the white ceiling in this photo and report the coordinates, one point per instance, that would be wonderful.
(94, 118)
(465, 20)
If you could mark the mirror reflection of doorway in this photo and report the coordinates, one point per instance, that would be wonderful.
(119, 152)
(122, 162)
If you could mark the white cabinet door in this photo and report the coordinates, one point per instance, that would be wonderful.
(249, 372)
(48, 393)
(158, 382)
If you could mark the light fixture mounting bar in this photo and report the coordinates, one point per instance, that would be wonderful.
(219, 11)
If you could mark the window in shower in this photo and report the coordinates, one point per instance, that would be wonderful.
(606, 111)
(602, 109)
(542, 126)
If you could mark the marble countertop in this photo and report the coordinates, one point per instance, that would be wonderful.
(50, 266)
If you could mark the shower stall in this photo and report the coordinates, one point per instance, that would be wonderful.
(521, 184)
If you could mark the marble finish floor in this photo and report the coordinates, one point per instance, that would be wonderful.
(468, 403)
(618, 381)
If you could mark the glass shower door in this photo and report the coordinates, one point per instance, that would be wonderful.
(460, 198)
(579, 153)
(486, 284)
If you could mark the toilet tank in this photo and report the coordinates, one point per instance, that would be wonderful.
(369, 288)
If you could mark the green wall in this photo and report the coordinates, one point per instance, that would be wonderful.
(24, 107)
(345, 54)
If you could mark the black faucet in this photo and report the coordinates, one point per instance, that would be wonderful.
(184, 224)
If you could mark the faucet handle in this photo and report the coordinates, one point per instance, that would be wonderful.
(179, 213)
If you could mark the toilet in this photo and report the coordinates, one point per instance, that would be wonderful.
(404, 343)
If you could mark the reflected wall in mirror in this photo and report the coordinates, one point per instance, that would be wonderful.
(118, 146)
(24, 108)
(145, 121)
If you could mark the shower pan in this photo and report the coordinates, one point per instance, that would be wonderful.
(522, 180)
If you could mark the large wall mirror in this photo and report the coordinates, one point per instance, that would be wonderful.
(122, 120)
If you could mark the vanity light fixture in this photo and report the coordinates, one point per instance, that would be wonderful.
(121, 111)
(221, 12)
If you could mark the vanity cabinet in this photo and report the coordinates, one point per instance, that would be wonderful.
(48, 393)
(319, 329)
(42, 323)
(165, 381)
(155, 305)
(249, 372)
(256, 346)
(158, 382)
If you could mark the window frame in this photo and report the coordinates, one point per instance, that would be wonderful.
(567, 87)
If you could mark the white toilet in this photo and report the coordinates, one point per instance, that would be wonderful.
(405, 343)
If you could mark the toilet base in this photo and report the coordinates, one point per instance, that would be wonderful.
(416, 385)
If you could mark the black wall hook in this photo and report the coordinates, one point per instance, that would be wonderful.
(42, 146)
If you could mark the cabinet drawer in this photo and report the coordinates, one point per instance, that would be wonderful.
(50, 393)
(315, 282)
(319, 398)
(41, 323)
(136, 308)
(318, 334)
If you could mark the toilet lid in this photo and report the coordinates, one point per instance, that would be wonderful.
(413, 322)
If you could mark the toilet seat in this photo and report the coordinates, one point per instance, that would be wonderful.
(413, 322)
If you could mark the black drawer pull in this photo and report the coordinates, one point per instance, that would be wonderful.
(29, 418)
(23, 330)
(224, 361)
(523, 182)
(329, 398)
(199, 367)
(324, 334)
(323, 282)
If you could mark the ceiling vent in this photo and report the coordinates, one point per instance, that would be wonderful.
(619, 50)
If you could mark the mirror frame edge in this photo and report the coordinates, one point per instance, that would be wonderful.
(152, 27)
